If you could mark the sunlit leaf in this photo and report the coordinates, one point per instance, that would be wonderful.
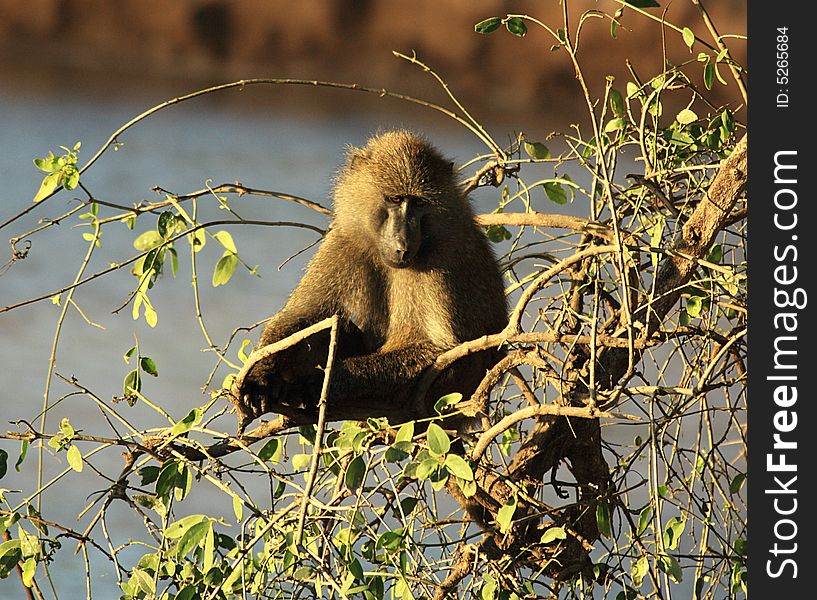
(686, 116)
(537, 150)
(555, 192)
(74, 458)
(504, 516)
(49, 184)
(689, 37)
(438, 441)
(709, 75)
(355, 473)
(639, 570)
(737, 483)
(190, 420)
(616, 103)
(516, 26)
(192, 538)
(225, 239)
(148, 240)
(457, 466)
(270, 451)
(224, 269)
(603, 519)
(488, 25)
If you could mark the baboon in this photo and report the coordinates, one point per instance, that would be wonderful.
(410, 275)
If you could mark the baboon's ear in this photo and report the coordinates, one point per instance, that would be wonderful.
(356, 157)
(451, 166)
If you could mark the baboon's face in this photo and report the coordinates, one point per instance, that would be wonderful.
(399, 228)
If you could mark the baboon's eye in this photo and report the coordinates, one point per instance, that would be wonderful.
(393, 199)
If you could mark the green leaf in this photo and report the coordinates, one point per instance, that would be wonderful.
(672, 532)
(149, 366)
(66, 428)
(438, 441)
(737, 483)
(689, 37)
(671, 566)
(49, 164)
(715, 254)
(603, 519)
(709, 75)
(616, 124)
(238, 508)
(555, 192)
(29, 568)
(180, 527)
(656, 235)
(552, 534)
(71, 181)
(694, 305)
(504, 516)
(75, 458)
(4, 458)
(224, 269)
(166, 224)
(407, 505)
(174, 261)
(10, 555)
(148, 240)
(488, 591)
(458, 467)
(271, 451)
(497, 233)
(644, 519)
(516, 26)
(488, 25)
(426, 468)
(22, 457)
(225, 239)
(616, 103)
(468, 488)
(197, 239)
(192, 538)
(133, 383)
(301, 461)
(190, 420)
(639, 570)
(355, 473)
(445, 401)
(405, 433)
(166, 481)
(537, 150)
(686, 116)
(50, 183)
(149, 474)
(728, 120)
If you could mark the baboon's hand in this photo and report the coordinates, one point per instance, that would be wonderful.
(272, 385)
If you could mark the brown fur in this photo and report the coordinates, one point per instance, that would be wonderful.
(394, 321)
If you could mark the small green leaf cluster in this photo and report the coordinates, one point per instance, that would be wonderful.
(194, 558)
(64, 441)
(132, 385)
(25, 550)
(435, 462)
(514, 25)
(61, 171)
